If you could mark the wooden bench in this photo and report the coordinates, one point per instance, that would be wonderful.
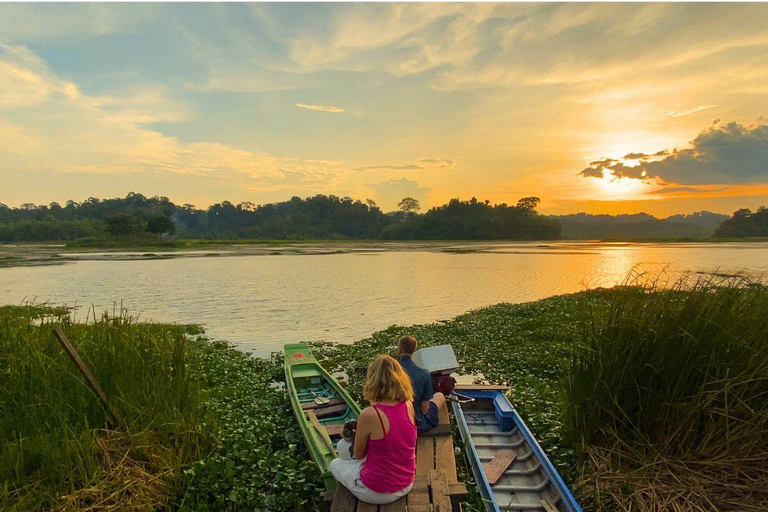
(435, 471)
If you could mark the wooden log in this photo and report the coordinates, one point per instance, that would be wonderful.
(441, 499)
(90, 380)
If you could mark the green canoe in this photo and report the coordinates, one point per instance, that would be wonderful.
(320, 404)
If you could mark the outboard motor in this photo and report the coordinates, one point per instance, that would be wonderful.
(440, 362)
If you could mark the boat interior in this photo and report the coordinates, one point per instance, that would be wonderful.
(524, 485)
(318, 395)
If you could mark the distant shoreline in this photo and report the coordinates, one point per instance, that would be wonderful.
(44, 254)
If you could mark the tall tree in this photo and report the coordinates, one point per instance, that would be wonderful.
(408, 206)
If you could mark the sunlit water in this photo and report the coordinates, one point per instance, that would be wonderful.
(261, 302)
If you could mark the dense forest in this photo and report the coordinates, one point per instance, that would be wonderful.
(319, 217)
(137, 217)
(744, 223)
(471, 220)
(639, 225)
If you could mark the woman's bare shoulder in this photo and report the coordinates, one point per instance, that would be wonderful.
(368, 412)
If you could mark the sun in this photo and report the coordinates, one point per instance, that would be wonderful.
(620, 188)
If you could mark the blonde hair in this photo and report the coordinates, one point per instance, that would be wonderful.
(386, 380)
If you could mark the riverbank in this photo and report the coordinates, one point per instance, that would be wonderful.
(44, 254)
(222, 436)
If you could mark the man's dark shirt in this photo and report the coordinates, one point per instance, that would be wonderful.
(421, 381)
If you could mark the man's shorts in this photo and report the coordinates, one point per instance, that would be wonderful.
(430, 419)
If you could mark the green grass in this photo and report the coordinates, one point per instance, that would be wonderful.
(49, 419)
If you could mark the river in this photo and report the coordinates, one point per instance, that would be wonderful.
(262, 301)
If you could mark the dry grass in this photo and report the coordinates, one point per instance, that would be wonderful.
(628, 479)
(132, 478)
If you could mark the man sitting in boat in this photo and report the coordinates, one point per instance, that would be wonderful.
(385, 440)
(426, 402)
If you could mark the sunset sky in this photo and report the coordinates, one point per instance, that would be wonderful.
(603, 108)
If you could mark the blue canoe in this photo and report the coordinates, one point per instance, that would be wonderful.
(489, 424)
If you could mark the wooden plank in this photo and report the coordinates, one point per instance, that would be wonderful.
(445, 458)
(418, 498)
(548, 506)
(334, 430)
(321, 430)
(440, 430)
(325, 412)
(90, 380)
(395, 506)
(443, 415)
(343, 500)
(425, 455)
(498, 465)
(366, 507)
(329, 403)
(458, 492)
(441, 500)
(480, 387)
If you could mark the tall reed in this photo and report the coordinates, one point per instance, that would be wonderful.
(49, 419)
(676, 372)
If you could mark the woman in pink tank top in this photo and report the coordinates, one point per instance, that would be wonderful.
(385, 442)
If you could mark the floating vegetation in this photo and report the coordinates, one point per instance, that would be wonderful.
(644, 399)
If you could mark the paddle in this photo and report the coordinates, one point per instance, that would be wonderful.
(321, 430)
(319, 400)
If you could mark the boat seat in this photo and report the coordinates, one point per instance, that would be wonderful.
(327, 412)
(331, 402)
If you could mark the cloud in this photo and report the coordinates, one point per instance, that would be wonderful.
(423, 164)
(319, 108)
(689, 111)
(60, 129)
(26, 80)
(389, 193)
(732, 153)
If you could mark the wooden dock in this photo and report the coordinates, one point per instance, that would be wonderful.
(436, 487)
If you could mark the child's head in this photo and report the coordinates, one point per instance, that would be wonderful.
(386, 380)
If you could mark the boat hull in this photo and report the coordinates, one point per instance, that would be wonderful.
(490, 424)
(306, 380)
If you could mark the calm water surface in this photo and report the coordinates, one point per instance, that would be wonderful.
(261, 302)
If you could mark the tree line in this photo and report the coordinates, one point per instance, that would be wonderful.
(744, 224)
(139, 217)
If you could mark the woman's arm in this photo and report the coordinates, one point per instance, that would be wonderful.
(365, 424)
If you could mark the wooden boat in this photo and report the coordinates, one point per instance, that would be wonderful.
(320, 404)
(511, 469)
